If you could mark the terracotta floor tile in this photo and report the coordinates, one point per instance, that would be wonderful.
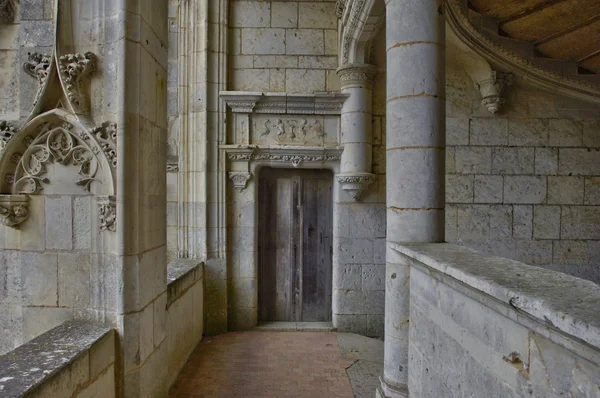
(265, 364)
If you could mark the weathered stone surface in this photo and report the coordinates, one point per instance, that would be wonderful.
(473, 160)
(546, 222)
(512, 161)
(522, 221)
(524, 189)
(579, 161)
(488, 189)
(565, 190)
(459, 188)
(488, 131)
(546, 161)
(580, 222)
(528, 132)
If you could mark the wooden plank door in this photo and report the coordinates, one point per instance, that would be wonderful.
(295, 238)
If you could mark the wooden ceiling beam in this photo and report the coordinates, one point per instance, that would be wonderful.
(526, 13)
(568, 30)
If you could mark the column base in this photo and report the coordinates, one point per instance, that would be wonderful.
(389, 389)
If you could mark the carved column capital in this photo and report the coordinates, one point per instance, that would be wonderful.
(240, 179)
(356, 183)
(357, 75)
(14, 210)
(492, 90)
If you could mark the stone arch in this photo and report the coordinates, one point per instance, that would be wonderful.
(58, 137)
(360, 20)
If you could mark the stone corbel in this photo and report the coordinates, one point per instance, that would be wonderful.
(14, 210)
(240, 179)
(107, 213)
(492, 89)
(355, 183)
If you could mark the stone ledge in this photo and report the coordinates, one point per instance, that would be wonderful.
(181, 275)
(27, 367)
(569, 304)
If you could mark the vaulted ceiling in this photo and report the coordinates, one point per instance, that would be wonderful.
(559, 29)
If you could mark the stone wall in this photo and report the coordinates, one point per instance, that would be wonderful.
(480, 323)
(523, 183)
(283, 46)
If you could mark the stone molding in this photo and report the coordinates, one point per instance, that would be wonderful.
(8, 9)
(355, 183)
(492, 90)
(360, 21)
(74, 68)
(14, 210)
(283, 103)
(240, 179)
(107, 213)
(459, 22)
(38, 67)
(106, 136)
(7, 131)
(295, 156)
(358, 75)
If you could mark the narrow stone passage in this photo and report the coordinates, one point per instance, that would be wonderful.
(275, 364)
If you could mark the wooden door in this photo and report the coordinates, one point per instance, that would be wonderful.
(295, 238)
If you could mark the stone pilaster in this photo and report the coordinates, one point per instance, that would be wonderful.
(355, 176)
(415, 162)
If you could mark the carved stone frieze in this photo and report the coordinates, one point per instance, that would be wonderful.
(14, 210)
(240, 179)
(8, 8)
(38, 66)
(292, 131)
(107, 213)
(106, 136)
(7, 131)
(356, 183)
(285, 154)
(492, 90)
(55, 144)
(74, 68)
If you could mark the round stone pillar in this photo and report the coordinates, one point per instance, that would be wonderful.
(415, 139)
(355, 169)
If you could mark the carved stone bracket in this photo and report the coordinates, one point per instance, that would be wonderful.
(107, 213)
(8, 9)
(240, 179)
(38, 66)
(355, 184)
(74, 68)
(14, 210)
(492, 90)
(7, 131)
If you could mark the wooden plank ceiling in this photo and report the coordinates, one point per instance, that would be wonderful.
(559, 29)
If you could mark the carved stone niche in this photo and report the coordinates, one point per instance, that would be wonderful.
(356, 183)
(14, 210)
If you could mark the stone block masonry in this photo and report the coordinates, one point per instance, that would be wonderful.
(524, 184)
(283, 46)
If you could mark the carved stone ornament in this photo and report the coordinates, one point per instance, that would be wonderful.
(294, 156)
(356, 76)
(54, 144)
(106, 136)
(107, 213)
(340, 5)
(14, 210)
(8, 9)
(38, 66)
(356, 184)
(240, 179)
(7, 131)
(74, 68)
(492, 90)
(172, 167)
(290, 131)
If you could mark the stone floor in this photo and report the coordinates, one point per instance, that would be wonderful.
(282, 364)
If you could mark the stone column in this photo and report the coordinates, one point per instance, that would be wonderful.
(415, 162)
(355, 169)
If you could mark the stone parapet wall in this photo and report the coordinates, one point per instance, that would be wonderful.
(524, 183)
(75, 359)
(481, 323)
